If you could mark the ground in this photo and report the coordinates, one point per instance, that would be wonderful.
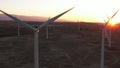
(66, 47)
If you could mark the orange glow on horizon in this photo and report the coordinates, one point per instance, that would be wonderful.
(85, 10)
(113, 23)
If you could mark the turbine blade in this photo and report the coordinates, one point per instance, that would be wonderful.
(105, 23)
(18, 20)
(52, 19)
(113, 15)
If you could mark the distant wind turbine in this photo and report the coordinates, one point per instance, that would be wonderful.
(103, 37)
(109, 30)
(47, 30)
(18, 30)
(78, 25)
(36, 31)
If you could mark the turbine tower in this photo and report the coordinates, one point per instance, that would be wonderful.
(36, 31)
(103, 38)
(18, 30)
(109, 30)
(47, 30)
(78, 25)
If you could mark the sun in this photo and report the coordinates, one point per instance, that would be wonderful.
(113, 22)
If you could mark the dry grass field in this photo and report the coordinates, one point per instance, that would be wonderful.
(67, 47)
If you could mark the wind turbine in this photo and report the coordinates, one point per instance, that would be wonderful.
(36, 31)
(47, 30)
(18, 30)
(53, 28)
(108, 30)
(78, 25)
(103, 38)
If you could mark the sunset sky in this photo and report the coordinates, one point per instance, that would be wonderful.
(85, 10)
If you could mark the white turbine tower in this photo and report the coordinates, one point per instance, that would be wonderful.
(36, 31)
(103, 38)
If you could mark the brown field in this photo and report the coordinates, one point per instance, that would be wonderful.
(67, 47)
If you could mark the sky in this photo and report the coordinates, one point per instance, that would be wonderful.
(85, 10)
